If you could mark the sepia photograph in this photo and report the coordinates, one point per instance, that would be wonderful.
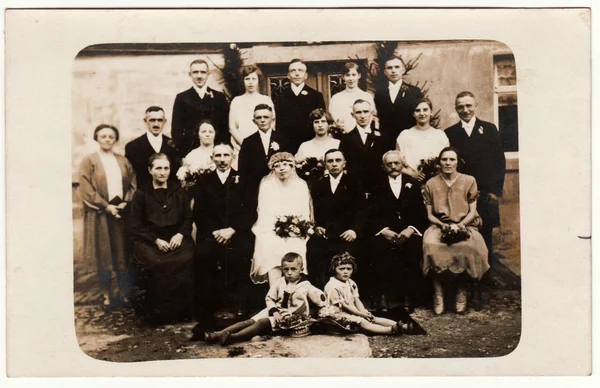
(227, 159)
(258, 200)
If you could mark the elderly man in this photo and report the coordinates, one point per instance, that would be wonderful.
(363, 146)
(396, 101)
(478, 143)
(223, 240)
(294, 105)
(198, 103)
(139, 150)
(398, 220)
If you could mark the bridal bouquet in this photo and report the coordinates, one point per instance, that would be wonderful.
(454, 234)
(293, 226)
(188, 174)
(429, 167)
(310, 169)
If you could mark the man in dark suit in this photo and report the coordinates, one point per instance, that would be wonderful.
(398, 219)
(139, 150)
(363, 146)
(294, 104)
(340, 212)
(478, 144)
(223, 240)
(258, 148)
(396, 100)
(196, 104)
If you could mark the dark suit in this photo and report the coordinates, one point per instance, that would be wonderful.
(364, 159)
(336, 212)
(189, 109)
(253, 163)
(397, 269)
(139, 150)
(484, 160)
(396, 116)
(292, 114)
(221, 269)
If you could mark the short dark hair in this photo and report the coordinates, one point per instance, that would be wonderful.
(360, 101)
(331, 151)
(320, 113)
(249, 69)
(296, 60)
(103, 126)
(393, 57)
(464, 94)
(290, 257)
(460, 161)
(263, 106)
(340, 259)
(206, 121)
(154, 108)
(423, 100)
(157, 156)
(199, 62)
(349, 66)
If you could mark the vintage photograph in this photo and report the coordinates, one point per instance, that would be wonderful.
(292, 199)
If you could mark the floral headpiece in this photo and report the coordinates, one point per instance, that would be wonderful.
(281, 156)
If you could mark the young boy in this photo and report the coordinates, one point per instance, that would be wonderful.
(288, 296)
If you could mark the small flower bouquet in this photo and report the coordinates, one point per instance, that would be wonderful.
(336, 131)
(454, 233)
(293, 226)
(330, 317)
(188, 174)
(297, 324)
(310, 169)
(429, 168)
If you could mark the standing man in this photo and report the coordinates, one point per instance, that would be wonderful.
(395, 102)
(294, 105)
(363, 146)
(223, 240)
(196, 104)
(478, 142)
(340, 213)
(257, 149)
(139, 150)
(398, 219)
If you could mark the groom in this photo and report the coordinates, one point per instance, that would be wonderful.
(258, 148)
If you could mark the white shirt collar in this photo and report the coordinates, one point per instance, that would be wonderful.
(470, 124)
(397, 85)
(362, 130)
(223, 175)
(155, 141)
(265, 134)
(395, 181)
(297, 89)
(201, 91)
(337, 180)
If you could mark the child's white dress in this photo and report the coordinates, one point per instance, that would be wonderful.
(338, 291)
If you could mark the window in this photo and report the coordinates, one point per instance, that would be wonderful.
(505, 101)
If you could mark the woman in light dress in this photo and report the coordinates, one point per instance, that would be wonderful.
(241, 111)
(201, 157)
(281, 193)
(323, 141)
(341, 103)
(421, 141)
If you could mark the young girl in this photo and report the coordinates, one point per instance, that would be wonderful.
(288, 296)
(342, 292)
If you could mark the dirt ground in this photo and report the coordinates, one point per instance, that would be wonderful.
(121, 336)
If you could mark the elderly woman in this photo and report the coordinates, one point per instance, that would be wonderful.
(281, 193)
(322, 142)
(106, 186)
(420, 142)
(341, 103)
(451, 202)
(163, 249)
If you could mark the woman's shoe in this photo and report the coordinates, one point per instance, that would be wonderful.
(461, 300)
(438, 304)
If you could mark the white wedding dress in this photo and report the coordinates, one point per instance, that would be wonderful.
(276, 199)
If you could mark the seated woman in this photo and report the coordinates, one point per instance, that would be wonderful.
(323, 141)
(163, 249)
(451, 202)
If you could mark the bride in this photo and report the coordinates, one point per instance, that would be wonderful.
(281, 193)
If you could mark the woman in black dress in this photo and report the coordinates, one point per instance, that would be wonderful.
(163, 248)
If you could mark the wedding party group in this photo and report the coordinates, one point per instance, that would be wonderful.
(311, 201)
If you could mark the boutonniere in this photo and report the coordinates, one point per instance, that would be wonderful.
(480, 129)
(209, 93)
(275, 146)
(408, 185)
(236, 179)
(170, 143)
(304, 93)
